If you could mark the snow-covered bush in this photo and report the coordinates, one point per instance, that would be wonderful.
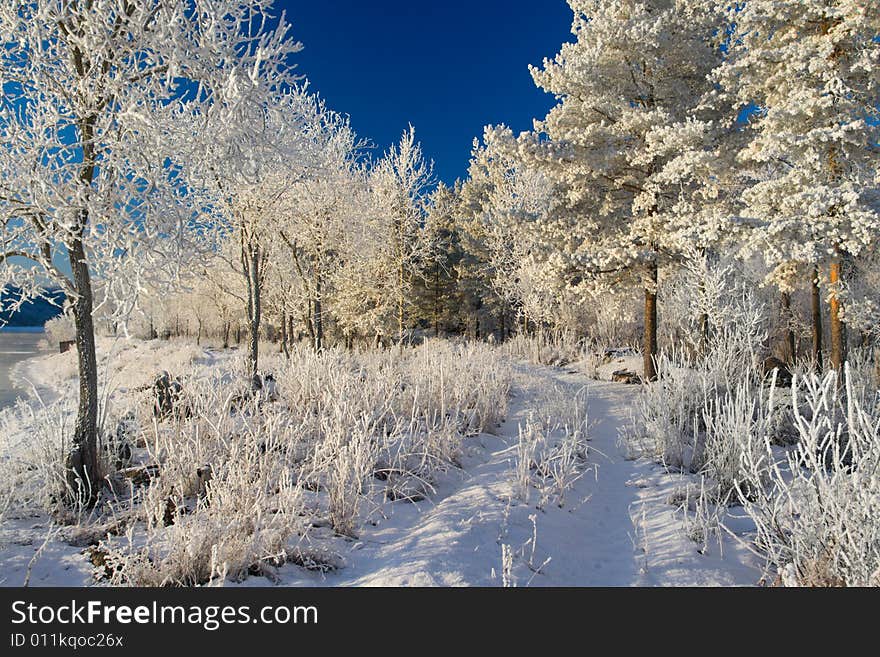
(350, 460)
(546, 348)
(59, 329)
(552, 448)
(817, 507)
(732, 424)
(709, 395)
(226, 483)
(34, 444)
(242, 524)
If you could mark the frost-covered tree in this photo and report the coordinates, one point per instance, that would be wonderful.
(810, 70)
(630, 141)
(391, 246)
(436, 291)
(317, 211)
(91, 92)
(511, 203)
(243, 186)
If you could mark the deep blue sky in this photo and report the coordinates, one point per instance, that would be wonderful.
(449, 67)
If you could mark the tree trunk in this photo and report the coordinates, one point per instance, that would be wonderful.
(319, 316)
(310, 322)
(437, 293)
(816, 323)
(649, 346)
(789, 332)
(400, 302)
(704, 334)
(83, 472)
(285, 337)
(254, 308)
(838, 330)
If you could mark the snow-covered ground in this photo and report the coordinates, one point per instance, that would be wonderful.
(617, 526)
(616, 530)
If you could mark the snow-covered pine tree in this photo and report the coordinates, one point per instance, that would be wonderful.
(629, 139)
(400, 184)
(436, 290)
(807, 72)
(510, 202)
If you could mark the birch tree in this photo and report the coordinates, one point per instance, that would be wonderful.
(318, 210)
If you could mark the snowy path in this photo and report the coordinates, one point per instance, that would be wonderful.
(593, 541)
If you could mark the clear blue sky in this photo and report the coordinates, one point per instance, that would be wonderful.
(449, 67)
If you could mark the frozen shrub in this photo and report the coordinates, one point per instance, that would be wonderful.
(527, 450)
(816, 507)
(59, 329)
(194, 528)
(546, 348)
(552, 448)
(350, 465)
(696, 415)
(34, 443)
(733, 423)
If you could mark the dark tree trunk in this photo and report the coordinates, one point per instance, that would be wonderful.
(816, 317)
(226, 335)
(401, 281)
(285, 336)
(649, 345)
(704, 334)
(254, 309)
(310, 322)
(790, 341)
(838, 330)
(438, 301)
(83, 472)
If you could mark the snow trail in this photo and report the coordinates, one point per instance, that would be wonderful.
(615, 529)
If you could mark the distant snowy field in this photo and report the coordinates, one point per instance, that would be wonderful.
(610, 523)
